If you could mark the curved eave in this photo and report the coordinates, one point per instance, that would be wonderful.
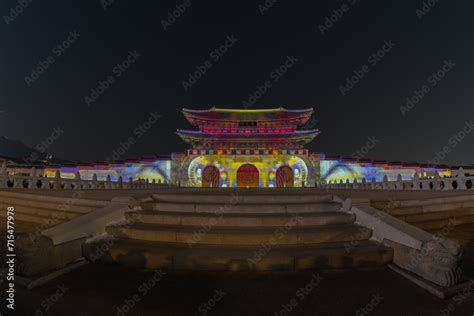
(279, 109)
(201, 117)
(193, 137)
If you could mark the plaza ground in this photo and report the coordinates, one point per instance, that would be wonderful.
(101, 290)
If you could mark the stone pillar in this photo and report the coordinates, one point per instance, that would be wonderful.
(461, 179)
(373, 184)
(57, 180)
(108, 182)
(78, 183)
(385, 184)
(436, 183)
(33, 179)
(3, 175)
(94, 181)
(416, 182)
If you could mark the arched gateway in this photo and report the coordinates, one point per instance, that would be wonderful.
(248, 146)
(210, 177)
(247, 176)
(285, 177)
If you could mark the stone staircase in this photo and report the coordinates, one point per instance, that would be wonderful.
(240, 230)
(432, 214)
(45, 210)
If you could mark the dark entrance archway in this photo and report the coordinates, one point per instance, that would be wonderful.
(247, 176)
(285, 177)
(210, 177)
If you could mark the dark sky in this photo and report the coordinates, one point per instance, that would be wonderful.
(31, 109)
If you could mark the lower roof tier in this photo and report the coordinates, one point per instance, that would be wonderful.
(205, 140)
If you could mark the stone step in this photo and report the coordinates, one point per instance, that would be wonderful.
(448, 223)
(427, 209)
(238, 220)
(45, 221)
(152, 255)
(31, 210)
(287, 235)
(239, 197)
(66, 205)
(53, 199)
(422, 217)
(216, 208)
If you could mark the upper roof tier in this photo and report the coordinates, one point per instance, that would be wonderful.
(218, 116)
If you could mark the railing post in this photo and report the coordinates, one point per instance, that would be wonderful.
(108, 182)
(3, 175)
(416, 182)
(94, 181)
(436, 183)
(385, 183)
(120, 183)
(373, 184)
(78, 182)
(33, 179)
(399, 182)
(461, 179)
(57, 180)
(355, 185)
(364, 183)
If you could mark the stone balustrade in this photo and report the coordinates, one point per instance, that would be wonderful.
(459, 182)
(32, 181)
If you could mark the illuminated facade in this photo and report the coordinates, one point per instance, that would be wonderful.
(247, 148)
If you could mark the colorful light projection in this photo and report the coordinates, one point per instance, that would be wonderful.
(337, 170)
(159, 170)
(267, 166)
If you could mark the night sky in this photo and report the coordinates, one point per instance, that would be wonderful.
(44, 86)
